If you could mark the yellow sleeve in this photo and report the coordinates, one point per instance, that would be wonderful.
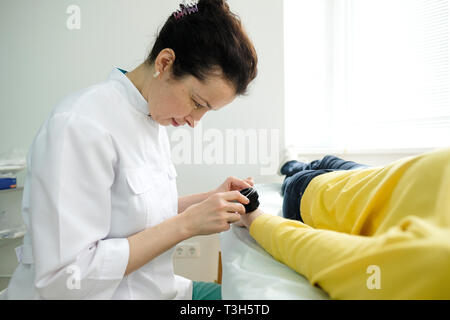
(409, 261)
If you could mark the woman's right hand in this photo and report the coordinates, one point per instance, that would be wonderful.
(215, 214)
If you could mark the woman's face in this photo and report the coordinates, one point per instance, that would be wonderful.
(180, 102)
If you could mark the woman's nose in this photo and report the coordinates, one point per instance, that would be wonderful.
(194, 118)
(191, 122)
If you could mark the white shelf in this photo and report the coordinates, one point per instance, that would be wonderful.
(11, 190)
(11, 168)
(14, 233)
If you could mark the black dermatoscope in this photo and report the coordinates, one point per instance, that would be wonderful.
(253, 196)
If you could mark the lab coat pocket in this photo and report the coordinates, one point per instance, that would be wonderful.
(143, 180)
(153, 189)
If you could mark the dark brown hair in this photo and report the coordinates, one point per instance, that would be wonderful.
(206, 40)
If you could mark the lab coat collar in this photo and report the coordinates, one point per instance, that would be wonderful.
(134, 96)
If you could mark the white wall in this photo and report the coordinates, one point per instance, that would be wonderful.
(42, 61)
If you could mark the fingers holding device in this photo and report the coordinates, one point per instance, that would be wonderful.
(215, 214)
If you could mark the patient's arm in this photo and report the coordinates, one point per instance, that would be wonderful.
(410, 261)
(247, 219)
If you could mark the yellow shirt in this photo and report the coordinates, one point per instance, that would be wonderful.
(375, 233)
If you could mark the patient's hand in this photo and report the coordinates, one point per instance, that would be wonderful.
(247, 219)
(239, 224)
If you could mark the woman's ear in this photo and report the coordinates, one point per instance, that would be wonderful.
(165, 60)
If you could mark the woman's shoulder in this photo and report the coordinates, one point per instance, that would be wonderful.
(95, 104)
(98, 96)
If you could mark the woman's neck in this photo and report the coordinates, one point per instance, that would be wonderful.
(141, 77)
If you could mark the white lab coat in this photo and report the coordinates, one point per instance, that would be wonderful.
(99, 170)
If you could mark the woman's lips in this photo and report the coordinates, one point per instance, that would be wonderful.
(175, 123)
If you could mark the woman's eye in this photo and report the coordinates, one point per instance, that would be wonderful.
(197, 104)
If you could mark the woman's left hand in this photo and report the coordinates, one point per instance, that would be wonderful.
(232, 184)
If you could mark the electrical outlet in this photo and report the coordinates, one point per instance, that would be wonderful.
(192, 250)
(179, 252)
(187, 250)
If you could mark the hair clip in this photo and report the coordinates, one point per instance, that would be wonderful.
(185, 10)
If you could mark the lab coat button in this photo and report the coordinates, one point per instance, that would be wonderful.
(172, 172)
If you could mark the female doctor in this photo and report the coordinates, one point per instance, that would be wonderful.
(100, 199)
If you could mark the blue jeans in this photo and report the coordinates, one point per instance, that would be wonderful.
(299, 175)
